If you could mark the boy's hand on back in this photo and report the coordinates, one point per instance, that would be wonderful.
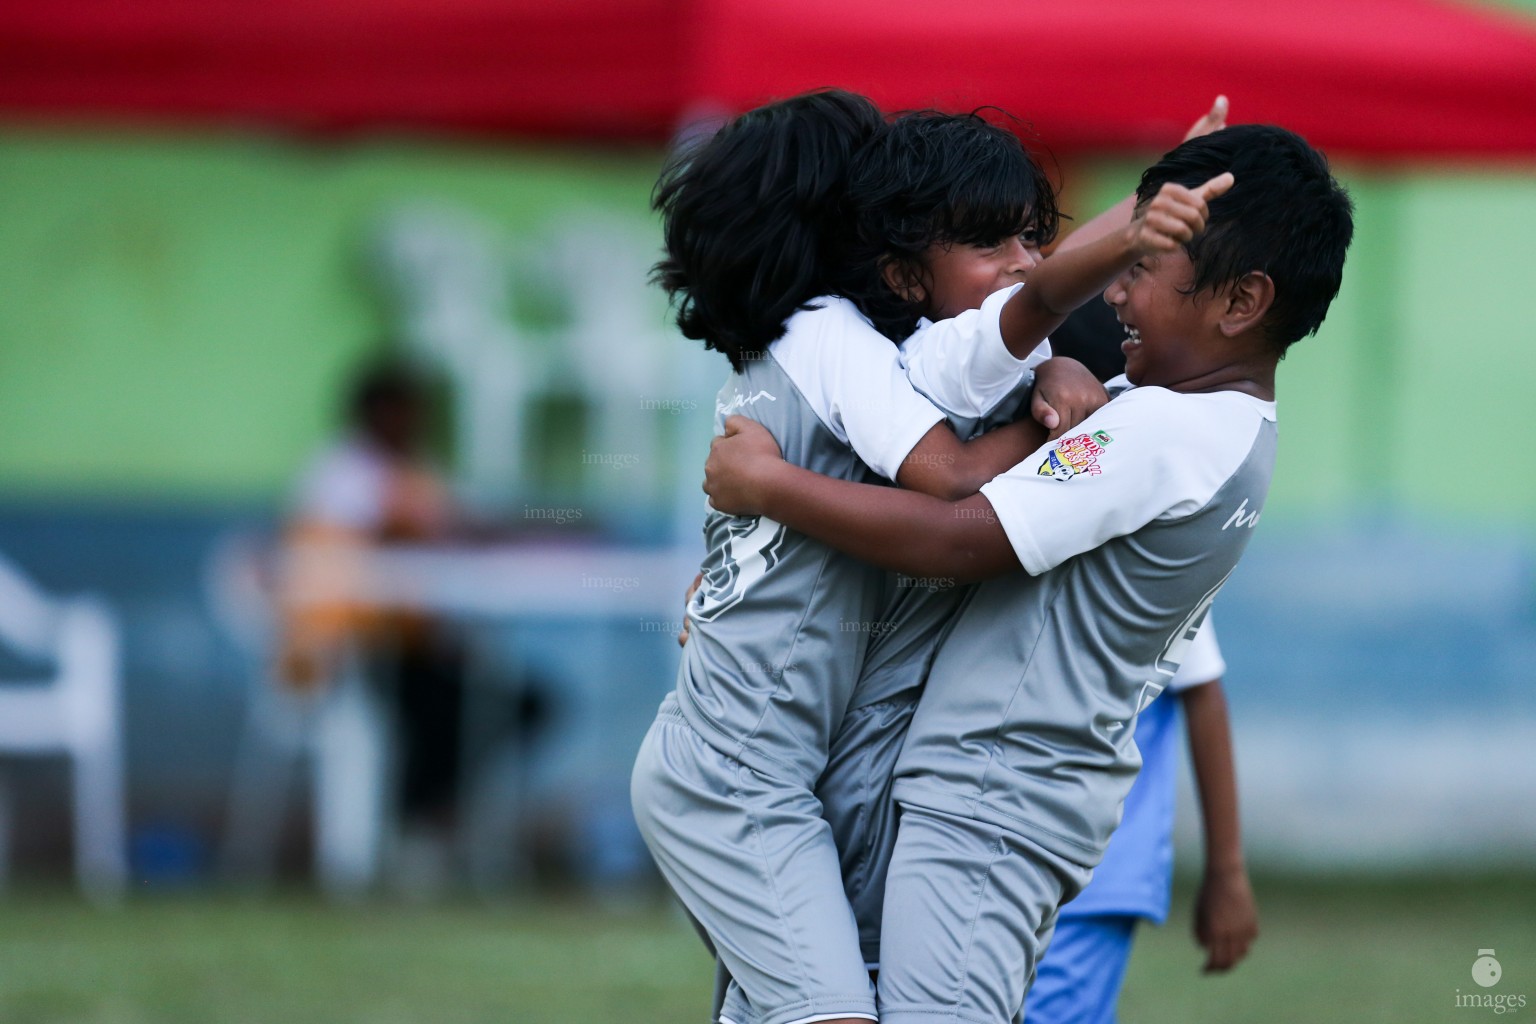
(1066, 393)
(737, 461)
(682, 634)
(1214, 120)
(1174, 216)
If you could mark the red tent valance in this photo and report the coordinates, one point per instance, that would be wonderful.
(1384, 78)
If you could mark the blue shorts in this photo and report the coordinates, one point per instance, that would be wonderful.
(1079, 978)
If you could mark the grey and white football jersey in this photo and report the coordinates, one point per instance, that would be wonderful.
(915, 611)
(781, 622)
(1127, 529)
(963, 366)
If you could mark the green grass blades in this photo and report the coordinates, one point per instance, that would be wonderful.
(1348, 950)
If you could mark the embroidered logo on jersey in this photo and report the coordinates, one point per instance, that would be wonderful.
(1073, 456)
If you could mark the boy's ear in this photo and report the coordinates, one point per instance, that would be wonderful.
(1247, 303)
(904, 279)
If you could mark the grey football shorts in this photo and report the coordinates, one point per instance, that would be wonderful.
(855, 794)
(969, 910)
(753, 861)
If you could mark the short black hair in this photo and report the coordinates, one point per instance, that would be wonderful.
(383, 383)
(749, 216)
(937, 178)
(1286, 217)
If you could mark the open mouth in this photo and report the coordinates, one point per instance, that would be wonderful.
(1132, 337)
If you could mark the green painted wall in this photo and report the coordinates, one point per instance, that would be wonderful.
(176, 313)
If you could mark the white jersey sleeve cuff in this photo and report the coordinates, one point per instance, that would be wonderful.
(995, 365)
(905, 434)
(851, 376)
(963, 365)
(1016, 526)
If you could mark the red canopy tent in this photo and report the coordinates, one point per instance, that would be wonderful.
(1383, 78)
(577, 68)
(1373, 77)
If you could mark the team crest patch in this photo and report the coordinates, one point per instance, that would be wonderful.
(1073, 456)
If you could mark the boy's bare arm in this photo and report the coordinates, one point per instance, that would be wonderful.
(943, 466)
(895, 529)
(1068, 279)
(1226, 916)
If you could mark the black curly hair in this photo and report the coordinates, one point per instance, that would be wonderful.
(936, 178)
(750, 218)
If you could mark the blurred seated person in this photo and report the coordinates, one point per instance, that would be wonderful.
(370, 488)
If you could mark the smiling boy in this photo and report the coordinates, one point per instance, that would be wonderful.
(1021, 751)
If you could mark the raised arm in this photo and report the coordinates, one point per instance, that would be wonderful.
(1118, 216)
(1068, 279)
(942, 466)
(895, 529)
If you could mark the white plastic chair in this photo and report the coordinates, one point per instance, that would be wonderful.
(75, 711)
(341, 732)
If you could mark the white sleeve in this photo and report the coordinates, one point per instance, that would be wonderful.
(963, 365)
(342, 488)
(1148, 454)
(851, 375)
(1202, 662)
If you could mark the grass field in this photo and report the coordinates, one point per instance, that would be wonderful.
(1346, 951)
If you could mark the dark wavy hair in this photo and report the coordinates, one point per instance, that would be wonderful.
(1286, 216)
(936, 178)
(749, 216)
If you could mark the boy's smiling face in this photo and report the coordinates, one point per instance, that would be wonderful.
(1165, 326)
(960, 275)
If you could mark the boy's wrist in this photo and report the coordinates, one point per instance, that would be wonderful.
(1226, 866)
(764, 486)
(1130, 238)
